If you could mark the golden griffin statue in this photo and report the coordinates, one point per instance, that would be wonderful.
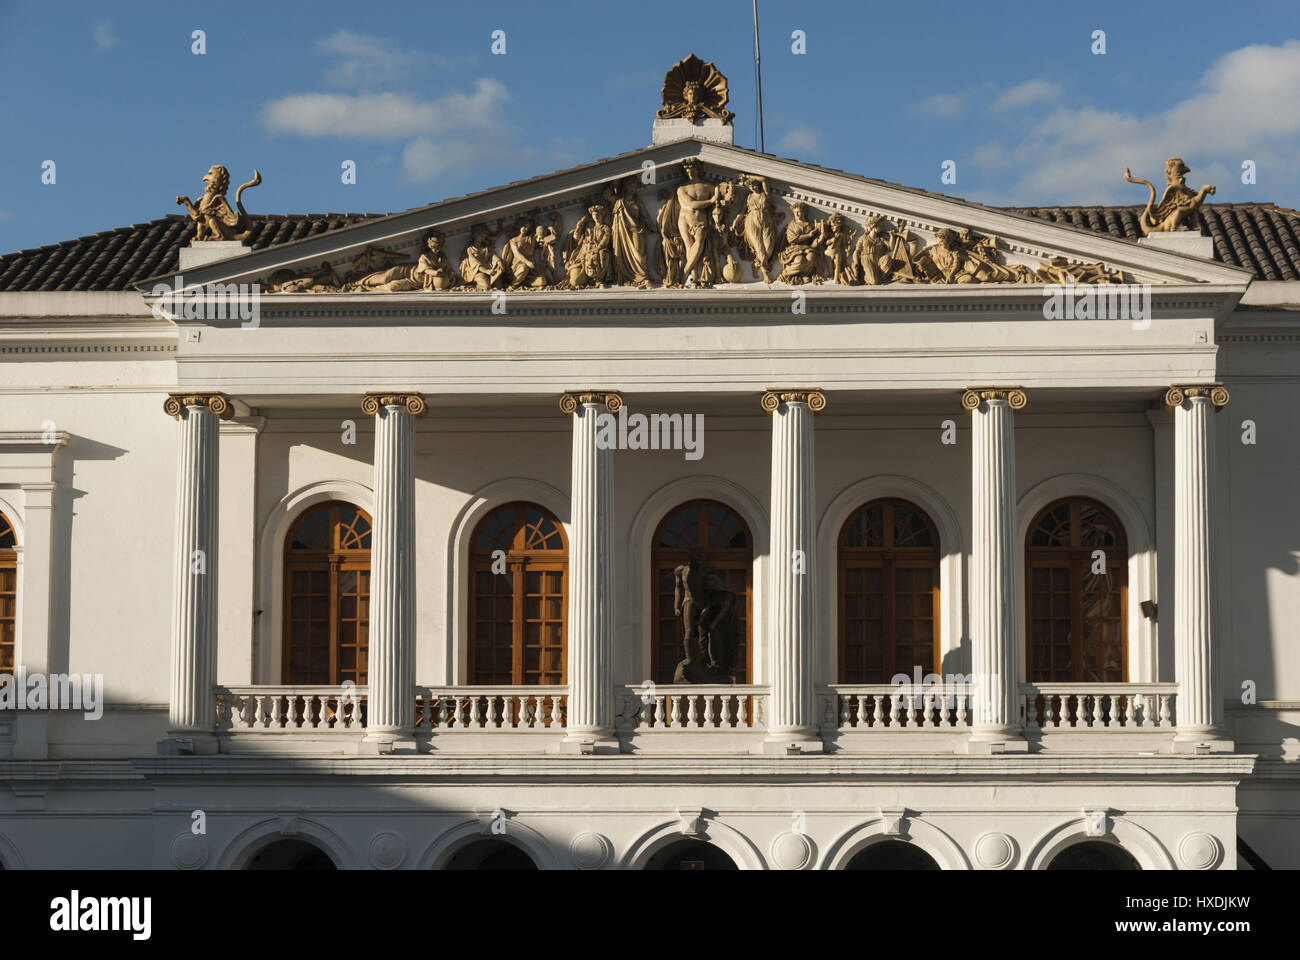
(1178, 208)
(215, 219)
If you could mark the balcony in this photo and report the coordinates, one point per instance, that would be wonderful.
(697, 719)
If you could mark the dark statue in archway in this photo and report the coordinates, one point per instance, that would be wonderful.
(710, 623)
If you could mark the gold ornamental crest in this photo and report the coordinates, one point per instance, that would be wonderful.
(693, 90)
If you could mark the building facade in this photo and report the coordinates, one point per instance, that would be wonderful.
(382, 561)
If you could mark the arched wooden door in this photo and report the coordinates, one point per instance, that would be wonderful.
(327, 596)
(888, 593)
(1076, 592)
(724, 537)
(518, 616)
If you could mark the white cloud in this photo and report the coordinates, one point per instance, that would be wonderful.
(104, 36)
(940, 105)
(1246, 106)
(802, 140)
(1022, 95)
(368, 62)
(386, 116)
(364, 61)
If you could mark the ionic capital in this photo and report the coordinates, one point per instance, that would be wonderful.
(218, 404)
(776, 396)
(413, 402)
(571, 399)
(1178, 393)
(974, 396)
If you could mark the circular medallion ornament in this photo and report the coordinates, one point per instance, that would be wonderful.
(792, 851)
(387, 851)
(1200, 851)
(189, 852)
(590, 851)
(995, 851)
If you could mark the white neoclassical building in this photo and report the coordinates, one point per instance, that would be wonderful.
(385, 570)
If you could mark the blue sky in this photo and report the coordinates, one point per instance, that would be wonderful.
(114, 95)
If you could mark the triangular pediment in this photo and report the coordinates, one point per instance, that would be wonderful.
(672, 219)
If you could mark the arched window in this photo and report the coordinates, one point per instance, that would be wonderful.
(327, 596)
(518, 603)
(8, 593)
(889, 593)
(724, 538)
(1076, 580)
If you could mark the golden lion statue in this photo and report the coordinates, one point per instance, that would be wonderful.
(215, 219)
(1178, 208)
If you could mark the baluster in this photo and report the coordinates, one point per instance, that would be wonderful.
(932, 706)
(911, 710)
(877, 714)
(1164, 710)
(708, 711)
(742, 709)
(258, 713)
(760, 710)
(679, 711)
(1106, 709)
(961, 707)
(846, 706)
(661, 712)
(1138, 712)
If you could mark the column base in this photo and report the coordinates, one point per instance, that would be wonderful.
(793, 744)
(1204, 740)
(986, 743)
(188, 743)
(589, 744)
(383, 744)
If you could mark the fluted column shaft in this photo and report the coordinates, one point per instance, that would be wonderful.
(391, 666)
(591, 570)
(191, 706)
(792, 612)
(1198, 707)
(993, 514)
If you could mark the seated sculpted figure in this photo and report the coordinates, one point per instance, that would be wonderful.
(801, 257)
(433, 271)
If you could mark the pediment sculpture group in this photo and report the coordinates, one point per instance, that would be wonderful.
(692, 241)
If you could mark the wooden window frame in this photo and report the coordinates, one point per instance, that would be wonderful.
(521, 561)
(9, 562)
(333, 562)
(1077, 559)
(721, 558)
(890, 559)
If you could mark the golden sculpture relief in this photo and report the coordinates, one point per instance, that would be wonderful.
(774, 397)
(974, 396)
(215, 219)
(628, 228)
(756, 229)
(1177, 394)
(217, 403)
(372, 401)
(697, 246)
(694, 90)
(1178, 209)
(612, 400)
(801, 256)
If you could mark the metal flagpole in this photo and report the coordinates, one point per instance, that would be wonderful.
(758, 74)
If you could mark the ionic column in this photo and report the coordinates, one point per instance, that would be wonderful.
(792, 612)
(992, 606)
(391, 667)
(1198, 708)
(191, 707)
(591, 575)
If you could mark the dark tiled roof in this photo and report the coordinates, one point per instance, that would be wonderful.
(1261, 237)
(115, 259)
